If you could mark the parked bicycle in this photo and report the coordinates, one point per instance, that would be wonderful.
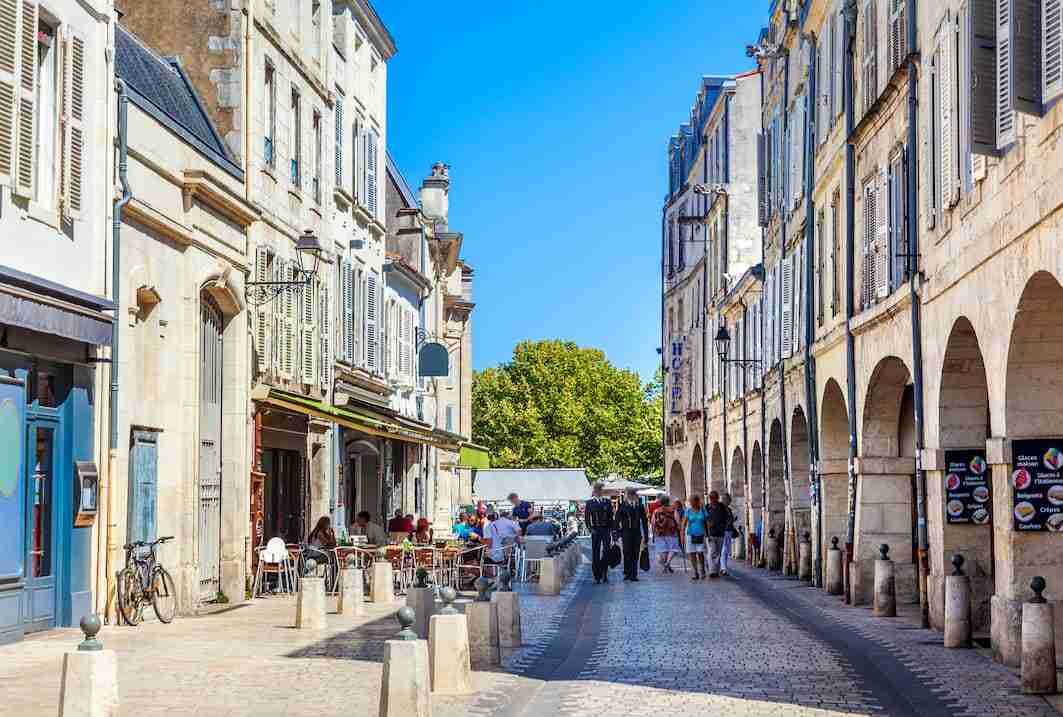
(143, 580)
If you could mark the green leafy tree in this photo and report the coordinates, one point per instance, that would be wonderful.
(558, 405)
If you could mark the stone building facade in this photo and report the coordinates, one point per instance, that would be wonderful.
(909, 288)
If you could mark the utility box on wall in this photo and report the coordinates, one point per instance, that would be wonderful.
(86, 493)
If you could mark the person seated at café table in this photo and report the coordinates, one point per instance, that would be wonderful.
(502, 532)
(461, 528)
(423, 534)
(400, 524)
(540, 526)
(373, 533)
(321, 539)
(475, 529)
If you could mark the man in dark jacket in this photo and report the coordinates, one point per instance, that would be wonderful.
(717, 520)
(598, 512)
(634, 532)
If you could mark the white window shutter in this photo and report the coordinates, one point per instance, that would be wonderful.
(325, 335)
(290, 322)
(762, 180)
(10, 52)
(946, 83)
(307, 333)
(787, 306)
(347, 301)
(1051, 49)
(27, 98)
(371, 172)
(870, 216)
(340, 135)
(898, 23)
(1005, 90)
(882, 236)
(837, 90)
(798, 311)
(263, 320)
(372, 332)
(73, 119)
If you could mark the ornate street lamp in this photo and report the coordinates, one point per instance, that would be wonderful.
(723, 346)
(308, 249)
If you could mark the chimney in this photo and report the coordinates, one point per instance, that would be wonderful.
(435, 190)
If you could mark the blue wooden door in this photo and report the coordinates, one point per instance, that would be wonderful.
(42, 491)
(143, 485)
(12, 502)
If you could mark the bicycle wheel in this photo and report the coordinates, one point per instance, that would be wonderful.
(129, 596)
(163, 595)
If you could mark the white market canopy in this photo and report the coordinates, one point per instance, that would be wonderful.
(536, 485)
(651, 492)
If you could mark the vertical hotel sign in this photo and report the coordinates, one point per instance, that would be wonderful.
(1037, 483)
(676, 367)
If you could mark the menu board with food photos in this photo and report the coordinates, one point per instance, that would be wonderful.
(967, 487)
(1037, 479)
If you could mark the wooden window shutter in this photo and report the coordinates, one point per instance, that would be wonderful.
(946, 86)
(10, 41)
(372, 323)
(787, 306)
(347, 300)
(869, 67)
(371, 172)
(870, 230)
(762, 181)
(981, 92)
(340, 134)
(882, 235)
(263, 320)
(27, 98)
(290, 321)
(73, 125)
(799, 296)
(1051, 49)
(838, 93)
(898, 37)
(325, 336)
(307, 334)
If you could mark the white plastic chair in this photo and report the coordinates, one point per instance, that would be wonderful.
(533, 554)
(274, 558)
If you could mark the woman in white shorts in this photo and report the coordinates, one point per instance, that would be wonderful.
(694, 531)
(666, 533)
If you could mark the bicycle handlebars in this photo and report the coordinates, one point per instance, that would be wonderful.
(143, 544)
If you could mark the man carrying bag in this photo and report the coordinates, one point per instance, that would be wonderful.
(601, 523)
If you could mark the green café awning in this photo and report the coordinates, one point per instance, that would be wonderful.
(474, 456)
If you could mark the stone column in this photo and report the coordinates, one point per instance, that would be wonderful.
(835, 581)
(1038, 643)
(351, 600)
(383, 587)
(448, 648)
(482, 617)
(89, 683)
(804, 561)
(884, 515)
(885, 587)
(958, 627)
(405, 687)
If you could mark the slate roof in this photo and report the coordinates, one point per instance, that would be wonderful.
(159, 86)
(543, 485)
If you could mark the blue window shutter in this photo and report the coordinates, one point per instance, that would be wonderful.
(143, 486)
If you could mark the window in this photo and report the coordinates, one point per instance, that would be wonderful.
(296, 138)
(318, 141)
(836, 253)
(47, 103)
(869, 63)
(340, 136)
(357, 159)
(270, 119)
(896, 254)
(898, 33)
(371, 172)
(315, 29)
(820, 265)
(671, 249)
(875, 276)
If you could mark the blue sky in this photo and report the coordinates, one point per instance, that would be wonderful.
(554, 117)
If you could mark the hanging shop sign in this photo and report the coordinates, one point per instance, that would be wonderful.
(967, 487)
(1037, 479)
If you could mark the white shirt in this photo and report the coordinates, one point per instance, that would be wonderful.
(502, 532)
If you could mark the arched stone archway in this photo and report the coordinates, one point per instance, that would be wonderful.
(737, 485)
(834, 466)
(963, 423)
(885, 496)
(800, 492)
(1033, 408)
(697, 473)
(776, 508)
(717, 477)
(677, 482)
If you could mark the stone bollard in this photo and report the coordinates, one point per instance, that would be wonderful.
(885, 604)
(383, 587)
(835, 576)
(351, 600)
(739, 543)
(507, 605)
(1038, 643)
(423, 601)
(310, 601)
(482, 618)
(89, 682)
(771, 552)
(958, 627)
(448, 648)
(405, 688)
(549, 577)
(804, 559)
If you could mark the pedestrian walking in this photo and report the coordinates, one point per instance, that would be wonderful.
(665, 532)
(601, 522)
(716, 517)
(634, 532)
(729, 533)
(693, 529)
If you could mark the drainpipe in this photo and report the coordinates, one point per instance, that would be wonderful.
(763, 379)
(917, 328)
(704, 345)
(850, 243)
(724, 250)
(745, 411)
(116, 231)
(787, 478)
(664, 354)
(812, 108)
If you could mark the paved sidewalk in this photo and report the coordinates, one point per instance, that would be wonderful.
(245, 661)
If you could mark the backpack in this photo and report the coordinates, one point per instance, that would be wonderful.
(664, 523)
